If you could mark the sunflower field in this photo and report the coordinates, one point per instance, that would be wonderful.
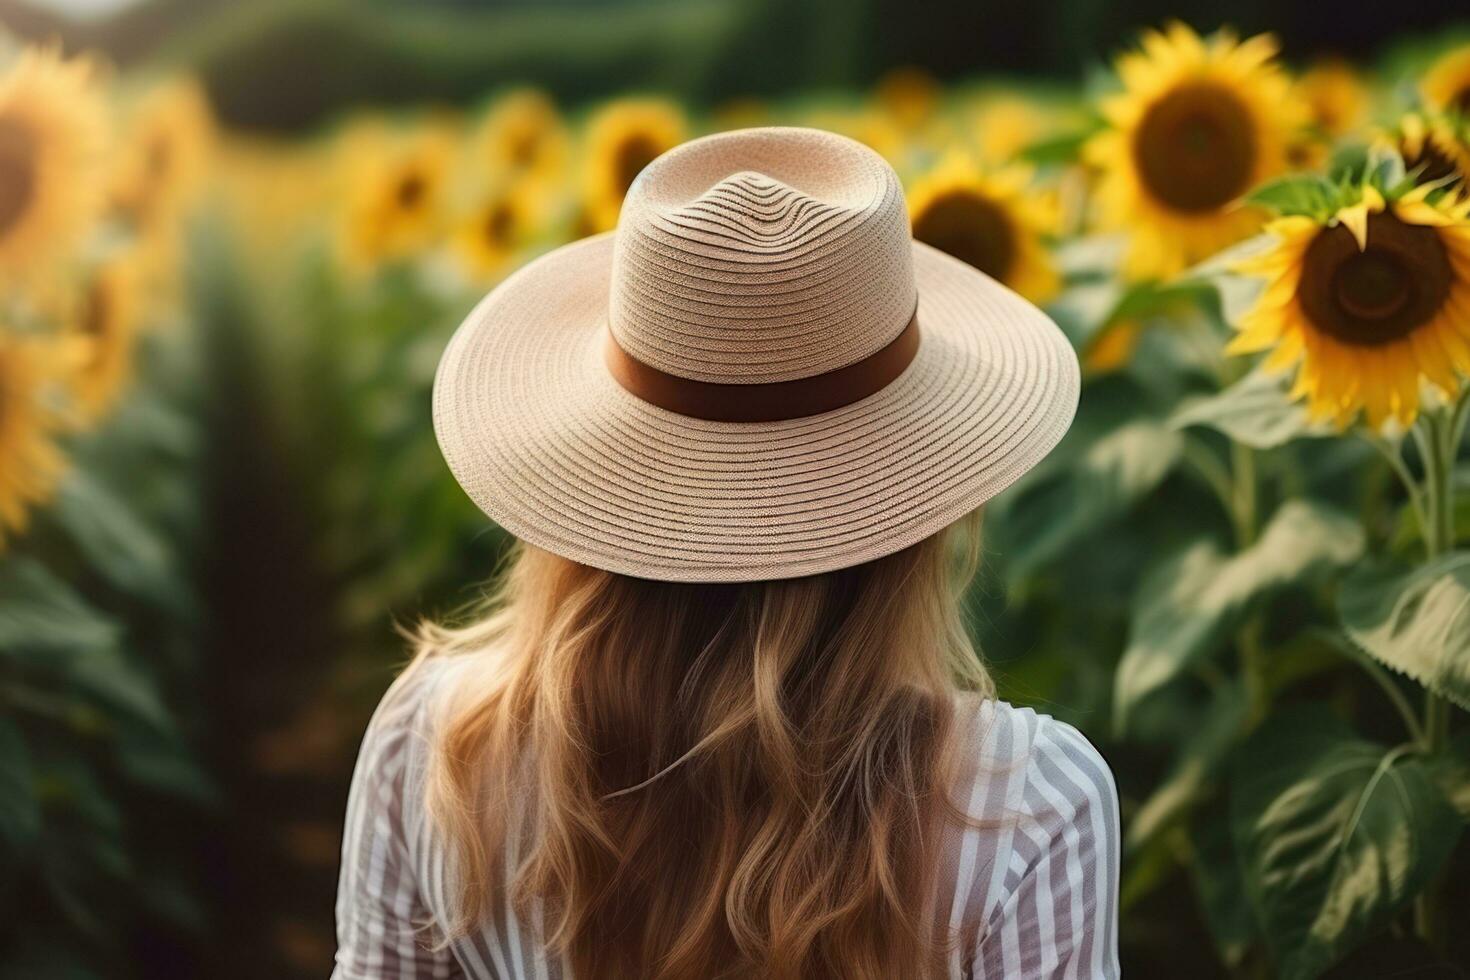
(1245, 573)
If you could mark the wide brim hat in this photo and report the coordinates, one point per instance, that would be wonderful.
(759, 375)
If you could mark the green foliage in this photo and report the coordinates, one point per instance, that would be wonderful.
(39, 615)
(1336, 835)
(1199, 595)
(115, 541)
(1320, 197)
(1416, 621)
(20, 811)
(99, 776)
(1062, 149)
(1199, 760)
(1249, 547)
(1451, 771)
(1062, 504)
(1255, 411)
(1221, 889)
(248, 52)
(1313, 195)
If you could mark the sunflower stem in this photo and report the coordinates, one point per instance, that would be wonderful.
(1393, 453)
(1457, 425)
(1390, 687)
(1243, 515)
(1438, 435)
(1207, 465)
(1243, 496)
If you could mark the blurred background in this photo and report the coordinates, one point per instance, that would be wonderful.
(234, 238)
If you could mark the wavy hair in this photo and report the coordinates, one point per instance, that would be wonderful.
(710, 780)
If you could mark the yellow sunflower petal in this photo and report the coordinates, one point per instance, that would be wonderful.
(1287, 353)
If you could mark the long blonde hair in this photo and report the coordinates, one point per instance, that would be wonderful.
(711, 780)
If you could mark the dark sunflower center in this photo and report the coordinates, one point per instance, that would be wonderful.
(498, 224)
(17, 172)
(970, 228)
(1461, 101)
(1372, 285)
(1379, 294)
(160, 156)
(96, 309)
(524, 147)
(410, 190)
(1299, 155)
(634, 153)
(1196, 148)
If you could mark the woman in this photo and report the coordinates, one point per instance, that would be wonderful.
(723, 718)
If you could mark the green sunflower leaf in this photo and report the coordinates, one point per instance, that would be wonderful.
(1451, 770)
(1191, 603)
(20, 814)
(1216, 876)
(1063, 504)
(1335, 835)
(1082, 310)
(1062, 149)
(1237, 293)
(1254, 411)
(1195, 769)
(1416, 621)
(1347, 164)
(115, 541)
(1300, 194)
(1385, 170)
(41, 614)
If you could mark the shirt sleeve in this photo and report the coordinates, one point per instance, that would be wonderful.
(382, 923)
(1061, 918)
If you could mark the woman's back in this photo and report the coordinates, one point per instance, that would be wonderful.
(1028, 892)
(724, 716)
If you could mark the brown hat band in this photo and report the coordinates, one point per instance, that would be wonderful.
(771, 401)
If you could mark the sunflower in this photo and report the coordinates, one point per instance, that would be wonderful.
(31, 462)
(1200, 121)
(1368, 303)
(874, 130)
(1433, 147)
(165, 156)
(740, 113)
(1004, 125)
(990, 220)
(52, 128)
(498, 230)
(1112, 347)
(623, 138)
(1446, 86)
(909, 95)
(102, 335)
(1334, 96)
(523, 136)
(272, 191)
(395, 194)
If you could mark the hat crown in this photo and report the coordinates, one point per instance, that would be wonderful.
(762, 255)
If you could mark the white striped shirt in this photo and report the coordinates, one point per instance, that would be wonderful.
(1032, 892)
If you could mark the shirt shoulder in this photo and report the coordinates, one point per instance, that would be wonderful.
(1032, 786)
(1023, 761)
(393, 758)
(406, 714)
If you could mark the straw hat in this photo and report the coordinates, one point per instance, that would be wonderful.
(759, 375)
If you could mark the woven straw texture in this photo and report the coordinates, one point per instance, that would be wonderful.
(762, 255)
